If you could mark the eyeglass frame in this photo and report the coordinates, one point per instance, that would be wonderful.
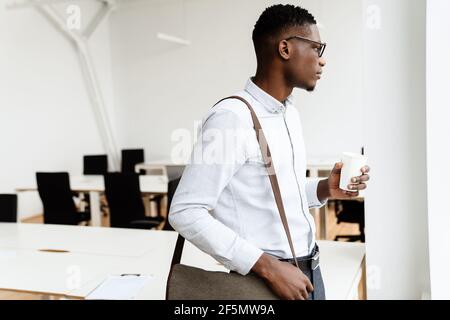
(323, 45)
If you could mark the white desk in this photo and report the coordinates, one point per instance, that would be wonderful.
(95, 253)
(160, 162)
(95, 185)
(343, 266)
(171, 169)
(192, 256)
(314, 165)
(83, 240)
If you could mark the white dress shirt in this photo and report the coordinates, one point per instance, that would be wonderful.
(224, 203)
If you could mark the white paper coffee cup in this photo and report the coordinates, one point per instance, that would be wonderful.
(352, 164)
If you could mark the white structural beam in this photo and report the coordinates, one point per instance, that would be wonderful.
(81, 45)
(102, 14)
(58, 22)
(18, 4)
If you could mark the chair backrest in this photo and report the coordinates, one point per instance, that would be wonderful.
(352, 206)
(95, 165)
(56, 195)
(130, 158)
(8, 208)
(124, 198)
(350, 211)
(171, 189)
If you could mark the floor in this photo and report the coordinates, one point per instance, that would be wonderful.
(333, 229)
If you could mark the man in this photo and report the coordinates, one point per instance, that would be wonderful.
(224, 203)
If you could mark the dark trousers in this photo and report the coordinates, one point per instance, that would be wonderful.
(315, 276)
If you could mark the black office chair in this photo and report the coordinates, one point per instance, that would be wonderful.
(126, 207)
(130, 158)
(8, 208)
(172, 187)
(56, 195)
(95, 165)
(351, 211)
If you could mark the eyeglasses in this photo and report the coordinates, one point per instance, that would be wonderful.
(320, 49)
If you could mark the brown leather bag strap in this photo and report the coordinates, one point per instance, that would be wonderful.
(176, 258)
(267, 156)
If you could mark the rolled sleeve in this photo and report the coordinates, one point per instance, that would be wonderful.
(311, 193)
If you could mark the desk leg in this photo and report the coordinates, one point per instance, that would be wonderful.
(166, 205)
(363, 281)
(96, 214)
(323, 222)
(147, 205)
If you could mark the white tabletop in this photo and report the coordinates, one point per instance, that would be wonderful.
(340, 264)
(148, 184)
(89, 240)
(162, 162)
(192, 256)
(95, 253)
(99, 253)
(321, 162)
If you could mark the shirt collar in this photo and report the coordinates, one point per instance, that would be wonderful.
(270, 103)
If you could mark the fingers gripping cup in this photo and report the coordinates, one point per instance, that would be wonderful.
(352, 164)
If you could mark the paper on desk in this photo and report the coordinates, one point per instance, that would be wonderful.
(119, 288)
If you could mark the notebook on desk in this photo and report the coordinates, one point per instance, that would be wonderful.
(119, 287)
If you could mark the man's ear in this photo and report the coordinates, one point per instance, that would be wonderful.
(284, 50)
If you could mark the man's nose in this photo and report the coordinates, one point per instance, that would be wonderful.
(322, 62)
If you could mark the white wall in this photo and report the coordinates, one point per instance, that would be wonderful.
(332, 115)
(46, 121)
(395, 139)
(438, 150)
(160, 86)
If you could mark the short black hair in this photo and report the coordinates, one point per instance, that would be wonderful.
(277, 18)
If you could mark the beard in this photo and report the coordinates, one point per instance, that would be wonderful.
(310, 89)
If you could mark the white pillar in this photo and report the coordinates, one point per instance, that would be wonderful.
(395, 142)
(438, 147)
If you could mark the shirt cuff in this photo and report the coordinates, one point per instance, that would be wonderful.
(247, 256)
(311, 193)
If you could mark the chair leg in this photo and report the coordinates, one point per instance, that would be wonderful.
(362, 231)
(158, 207)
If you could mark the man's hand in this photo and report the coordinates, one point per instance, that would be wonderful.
(285, 279)
(358, 183)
